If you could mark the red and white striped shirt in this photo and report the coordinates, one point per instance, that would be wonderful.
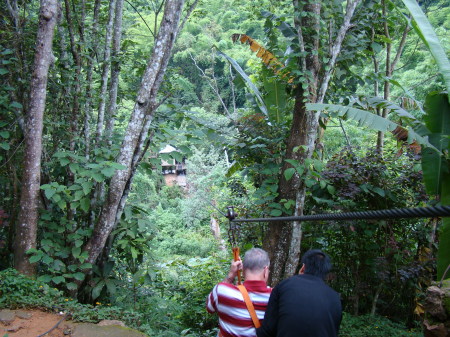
(234, 318)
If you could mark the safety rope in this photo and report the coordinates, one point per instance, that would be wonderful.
(398, 213)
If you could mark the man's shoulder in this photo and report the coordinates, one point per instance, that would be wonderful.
(226, 287)
(302, 279)
(226, 284)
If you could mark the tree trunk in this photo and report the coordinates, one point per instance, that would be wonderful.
(138, 125)
(26, 229)
(283, 239)
(215, 231)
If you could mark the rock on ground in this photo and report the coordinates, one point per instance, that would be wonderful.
(31, 323)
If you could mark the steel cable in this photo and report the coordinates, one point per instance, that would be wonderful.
(399, 213)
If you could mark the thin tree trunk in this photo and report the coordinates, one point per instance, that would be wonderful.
(115, 70)
(19, 95)
(75, 49)
(376, 69)
(390, 67)
(375, 299)
(13, 9)
(106, 66)
(65, 74)
(138, 125)
(89, 74)
(113, 88)
(105, 72)
(26, 230)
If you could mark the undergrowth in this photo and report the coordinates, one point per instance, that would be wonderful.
(373, 326)
(18, 291)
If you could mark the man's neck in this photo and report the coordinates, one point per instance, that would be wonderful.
(248, 276)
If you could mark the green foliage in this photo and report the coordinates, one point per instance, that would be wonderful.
(104, 281)
(374, 326)
(7, 105)
(64, 227)
(61, 260)
(436, 165)
(195, 278)
(133, 235)
(252, 87)
(161, 249)
(18, 291)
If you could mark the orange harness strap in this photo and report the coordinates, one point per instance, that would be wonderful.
(250, 307)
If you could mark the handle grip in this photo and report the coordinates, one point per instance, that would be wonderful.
(236, 257)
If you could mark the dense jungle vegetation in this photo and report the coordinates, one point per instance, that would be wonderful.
(273, 107)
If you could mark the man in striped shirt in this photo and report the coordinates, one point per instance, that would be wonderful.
(227, 300)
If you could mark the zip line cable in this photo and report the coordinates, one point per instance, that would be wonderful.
(398, 213)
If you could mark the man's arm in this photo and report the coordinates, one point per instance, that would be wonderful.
(269, 325)
(212, 299)
(235, 266)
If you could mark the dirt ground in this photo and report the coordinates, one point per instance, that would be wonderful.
(39, 323)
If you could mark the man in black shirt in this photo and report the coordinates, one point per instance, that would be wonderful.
(303, 305)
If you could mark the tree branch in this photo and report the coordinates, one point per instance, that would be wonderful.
(214, 87)
(188, 14)
(400, 48)
(14, 12)
(143, 20)
(351, 6)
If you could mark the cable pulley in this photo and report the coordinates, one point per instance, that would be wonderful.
(234, 233)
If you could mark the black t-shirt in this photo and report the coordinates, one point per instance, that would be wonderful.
(302, 306)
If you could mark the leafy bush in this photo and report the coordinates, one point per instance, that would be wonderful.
(197, 280)
(373, 326)
(19, 291)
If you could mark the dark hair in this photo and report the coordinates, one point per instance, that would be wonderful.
(256, 259)
(317, 263)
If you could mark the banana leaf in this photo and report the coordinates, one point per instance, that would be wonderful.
(250, 85)
(370, 120)
(436, 168)
(425, 31)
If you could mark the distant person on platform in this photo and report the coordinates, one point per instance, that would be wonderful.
(227, 300)
(303, 305)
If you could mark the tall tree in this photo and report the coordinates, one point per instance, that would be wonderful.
(283, 239)
(26, 229)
